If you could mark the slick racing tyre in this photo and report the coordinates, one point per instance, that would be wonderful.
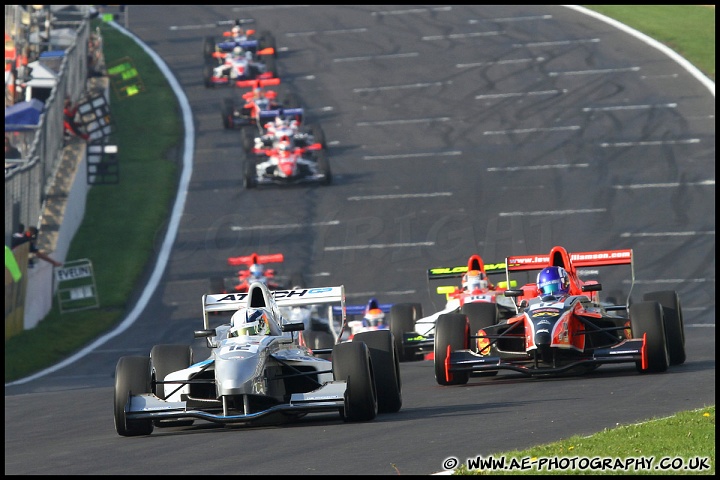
(228, 113)
(248, 140)
(270, 65)
(319, 340)
(646, 318)
(319, 135)
(351, 363)
(132, 375)
(480, 315)
(324, 167)
(250, 172)
(165, 359)
(401, 320)
(209, 49)
(267, 40)
(674, 324)
(386, 368)
(207, 76)
(451, 333)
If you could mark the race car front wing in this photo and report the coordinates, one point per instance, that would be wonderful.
(328, 398)
(627, 351)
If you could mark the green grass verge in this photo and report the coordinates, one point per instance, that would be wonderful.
(687, 29)
(680, 441)
(122, 222)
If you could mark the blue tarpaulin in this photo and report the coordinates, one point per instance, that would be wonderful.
(23, 115)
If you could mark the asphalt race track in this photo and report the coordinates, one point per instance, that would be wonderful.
(452, 130)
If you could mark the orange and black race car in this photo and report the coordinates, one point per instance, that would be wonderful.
(561, 326)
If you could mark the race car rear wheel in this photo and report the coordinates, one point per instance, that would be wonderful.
(401, 320)
(324, 166)
(267, 40)
(248, 140)
(209, 49)
(646, 318)
(351, 362)
(132, 377)
(386, 368)
(165, 359)
(227, 112)
(674, 324)
(207, 76)
(250, 173)
(451, 333)
(480, 315)
(270, 65)
(318, 135)
(318, 340)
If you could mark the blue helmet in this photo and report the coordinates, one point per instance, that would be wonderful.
(553, 281)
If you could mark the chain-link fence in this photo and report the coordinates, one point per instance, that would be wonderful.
(28, 182)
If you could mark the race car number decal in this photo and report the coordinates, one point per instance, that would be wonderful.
(476, 298)
(245, 347)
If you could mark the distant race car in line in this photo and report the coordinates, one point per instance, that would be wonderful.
(287, 165)
(256, 272)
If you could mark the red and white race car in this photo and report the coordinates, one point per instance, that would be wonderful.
(256, 272)
(245, 62)
(561, 326)
(414, 333)
(285, 164)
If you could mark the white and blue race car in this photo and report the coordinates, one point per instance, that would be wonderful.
(248, 378)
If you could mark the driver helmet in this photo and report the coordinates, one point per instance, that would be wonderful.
(237, 31)
(474, 280)
(553, 281)
(373, 318)
(279, 122)
(257, 272)
(284, 148)
(250, 321)
(237, 51)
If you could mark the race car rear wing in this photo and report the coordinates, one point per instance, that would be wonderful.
(283, 298)
(281, 112)
(254, 259)
(579, 259)
(457, 272)
(558, 256)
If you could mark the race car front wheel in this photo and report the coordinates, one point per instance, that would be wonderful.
(674, 325)
(165, 359)
(451, 333)
(250, 174)
(386, 368)
(132, 377)
(401, 320)
(351, 363)
(646, 318)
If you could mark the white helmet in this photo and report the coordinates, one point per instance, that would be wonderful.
(257, 272)
(474, 280)
(374, 317)
(250, 321)
(238, 50)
